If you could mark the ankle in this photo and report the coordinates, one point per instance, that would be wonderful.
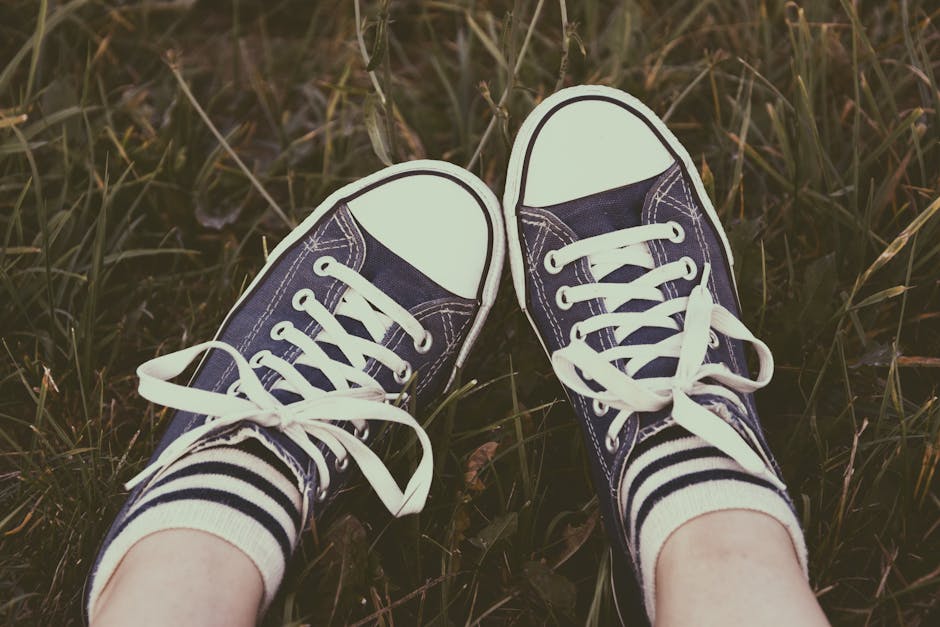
(732, 535)
(239, 496)
(181, 576)
(733, 567)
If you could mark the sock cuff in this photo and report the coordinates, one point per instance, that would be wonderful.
(236, 496)
(682, 479)
(704, 498)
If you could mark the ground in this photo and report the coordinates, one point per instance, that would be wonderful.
(151, 152)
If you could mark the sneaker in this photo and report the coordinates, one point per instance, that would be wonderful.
(622, 267)
(376, 298)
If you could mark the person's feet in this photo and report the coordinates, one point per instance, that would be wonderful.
(622, 267)
(620, 263)
(378, 295)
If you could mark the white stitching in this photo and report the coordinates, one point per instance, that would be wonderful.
(541, 224)
(262, 319)
(445, 354)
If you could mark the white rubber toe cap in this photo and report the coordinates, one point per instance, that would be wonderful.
(433, 223)
(589, 146)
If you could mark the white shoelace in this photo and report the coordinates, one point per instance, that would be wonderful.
(621, 391)
(248, 400)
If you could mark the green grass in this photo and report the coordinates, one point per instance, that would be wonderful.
(128, 229)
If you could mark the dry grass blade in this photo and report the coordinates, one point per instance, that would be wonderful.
(174, 67)
(515, 71)
(899, 242)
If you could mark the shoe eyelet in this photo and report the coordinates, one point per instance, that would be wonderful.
(576, 333)
(402, 376)
(363, 434)
(561, 298)
(299, 301)
(341, 464)
(235, 388)
(424, 345)
(691, 269)
(321, 265)
(551, 262)
(600, 408)
(322, 493)
(255, 361)
(713, 340)
(678, 233)
(277, 331)
(611, 444)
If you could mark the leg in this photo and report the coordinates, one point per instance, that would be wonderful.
(733, 567)
(206, 544)
(267, 427)
(624, 268)
(182, 577)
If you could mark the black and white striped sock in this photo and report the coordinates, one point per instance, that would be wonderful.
(241, 493)
(673, 477)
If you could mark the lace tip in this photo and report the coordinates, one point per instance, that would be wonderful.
(134, 481)
(706, 273)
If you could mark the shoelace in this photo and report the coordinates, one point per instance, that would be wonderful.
(621, 390)
(311, 417)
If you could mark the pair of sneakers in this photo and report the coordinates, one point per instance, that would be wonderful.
(618, 259)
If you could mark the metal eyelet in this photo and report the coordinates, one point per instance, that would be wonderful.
(599, 408)
(576, 333)
(402, 376)
(321, 265)
(424, 345)
(678, 233)
(364, 434)
(322, 493)
(277, 331)
(713, 340)
(691, 269)
(611, 444)
(561, 298)
(255, 361)
(299, 301)
(551, 262)
(235, 388)
(341, 464)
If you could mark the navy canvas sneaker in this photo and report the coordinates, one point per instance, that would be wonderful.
(375, 298)
(621, 265)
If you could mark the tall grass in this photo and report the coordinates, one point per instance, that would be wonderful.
(151, 152)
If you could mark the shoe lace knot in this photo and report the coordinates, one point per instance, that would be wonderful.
(693, 322)
(319, 415)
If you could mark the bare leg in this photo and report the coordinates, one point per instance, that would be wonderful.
(181, 577)
(733, 567)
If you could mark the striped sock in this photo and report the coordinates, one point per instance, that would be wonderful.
(242, 494)
(674, 477)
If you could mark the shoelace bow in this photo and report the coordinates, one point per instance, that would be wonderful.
(311, 417)
(621, 390)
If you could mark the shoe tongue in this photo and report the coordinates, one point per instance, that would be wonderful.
(611, 210)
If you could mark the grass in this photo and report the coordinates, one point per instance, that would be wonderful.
(151, 152)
